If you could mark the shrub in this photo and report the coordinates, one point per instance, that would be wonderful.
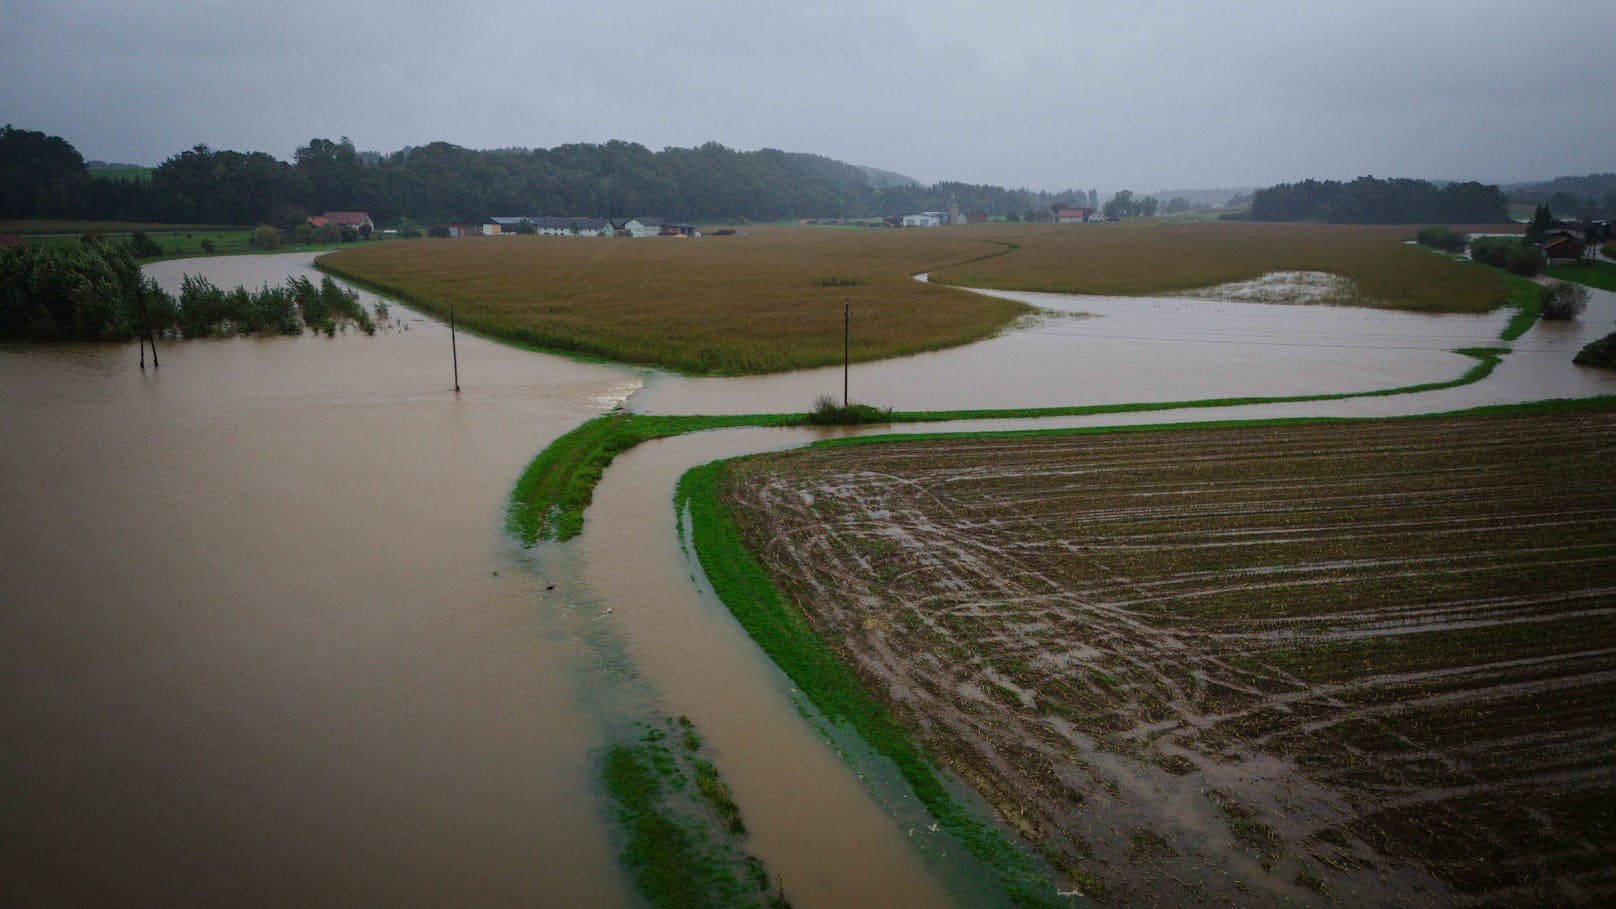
(1563, 300)
(1441, 237)
(207, 245)
(826, 412)
(142, 246)
(1524, 259)
(1600, 353)
(267, 237)
(1518, 256)
(440, 231)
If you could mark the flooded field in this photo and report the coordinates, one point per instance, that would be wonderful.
(264, 641)
(269, 644)
(1114, 350)
(1250, 665)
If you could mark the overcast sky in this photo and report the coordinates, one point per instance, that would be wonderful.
(1047, 95)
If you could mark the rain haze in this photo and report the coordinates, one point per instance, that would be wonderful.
(1038, 95)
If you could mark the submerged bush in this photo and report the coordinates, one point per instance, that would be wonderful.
(826, 412)
(79, 292)
(1600, 353)
(1563, 300)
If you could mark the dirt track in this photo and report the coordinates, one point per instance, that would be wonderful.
(1257, 665)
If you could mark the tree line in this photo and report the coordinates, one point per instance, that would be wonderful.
(95, 291)
(1368, 200)
(44, 176)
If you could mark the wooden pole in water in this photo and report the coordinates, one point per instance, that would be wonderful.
(453, 349)
(152, 336)
(846, 329)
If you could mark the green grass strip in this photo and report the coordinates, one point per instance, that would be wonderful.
(550, 497)
(1594, 274)
(1527, 303)
(833, 689)
(1553, 405)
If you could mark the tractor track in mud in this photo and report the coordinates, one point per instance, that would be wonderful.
(1249, 665)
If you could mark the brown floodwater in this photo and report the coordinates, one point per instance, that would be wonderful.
(256, 649)
(1115, 350)
(265, 642)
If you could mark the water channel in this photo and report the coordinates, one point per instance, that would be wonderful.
(265, 642)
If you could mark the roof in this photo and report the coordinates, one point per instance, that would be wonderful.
(1560, 240)
(319, 221)
(1073, 212)
(348, 218)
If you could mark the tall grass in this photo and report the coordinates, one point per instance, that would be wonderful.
(1153, 258)
(765, 301)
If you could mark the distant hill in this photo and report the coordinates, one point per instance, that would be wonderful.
(440, 182)
(884, 179)
(1199, 197)
(1588, 196)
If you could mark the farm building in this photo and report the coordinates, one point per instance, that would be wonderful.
(358, 220)
(925, 219)
(1562, 249)
(1072, 215)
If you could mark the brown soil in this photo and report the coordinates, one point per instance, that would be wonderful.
(1360, 662)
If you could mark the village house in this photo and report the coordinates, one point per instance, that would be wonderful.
(1562, 249)
(358, 220)
(1072, 215)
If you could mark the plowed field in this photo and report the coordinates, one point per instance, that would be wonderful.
(1374, 660)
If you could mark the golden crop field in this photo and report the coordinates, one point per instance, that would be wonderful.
(769, 298)
(764, 301)
(1134, 258)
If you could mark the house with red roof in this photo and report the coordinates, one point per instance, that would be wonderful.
(358, 220)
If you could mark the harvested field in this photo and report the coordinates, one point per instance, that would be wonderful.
(1251, 665)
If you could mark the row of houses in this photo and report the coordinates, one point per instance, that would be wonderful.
(953, 216)
(585, 227)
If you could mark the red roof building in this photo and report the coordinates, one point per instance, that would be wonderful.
(358, 220)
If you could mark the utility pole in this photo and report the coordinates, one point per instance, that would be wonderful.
(453, 349)
(846, 330)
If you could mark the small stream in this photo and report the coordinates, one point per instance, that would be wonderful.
(267, 644)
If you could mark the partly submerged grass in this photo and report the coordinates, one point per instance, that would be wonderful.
(681, 833)
(833, 689)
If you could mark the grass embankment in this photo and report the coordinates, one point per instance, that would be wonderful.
(681, 831)
(1141, 258)
(831, 686)
(550, 497)
(766, 300)
(1594, 274)
(1278, 606)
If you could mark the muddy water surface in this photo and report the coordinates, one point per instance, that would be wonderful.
(1125, 349)
(263, 640)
